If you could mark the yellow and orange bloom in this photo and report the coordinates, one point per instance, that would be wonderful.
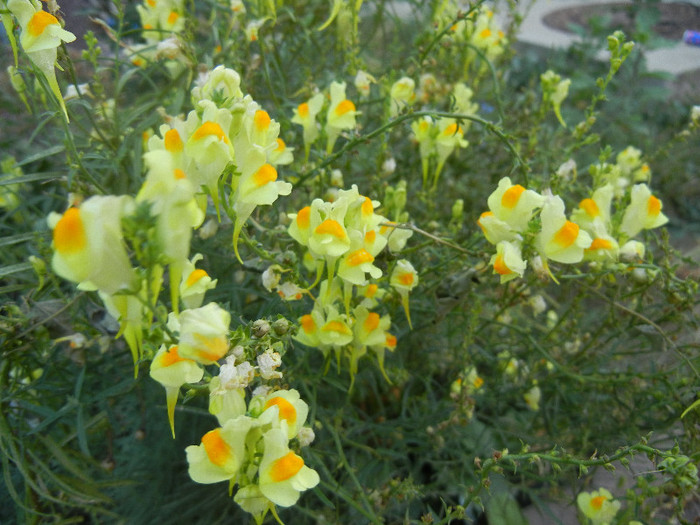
(513, 204)
(404, 278)
(507, 261)
(289, 407)
(195, 283)
(305, 115)
(283, 474)
(559, 239)
(221, 452)
(643, 213)
(309, 328)
(172, 371)
(89, 246)
(41, 35)
(336, 329)
(594, 212)
(203, 333)
(340, 116)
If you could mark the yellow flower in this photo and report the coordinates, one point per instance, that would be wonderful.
(173, 371)
(513, 204)
(404, 278)
(289, 407)
(643, 213)
(221, 452)
(89, 246)
(336, 329)
(283, 474)
(41, 35)
(363, 81)
(309, 328)
(305, 115)
(195, 282)
(203, 333)
(560, 239)
(598, 506)
(402, 94)
(508, 261)
(340, 116)
(595, 210)
(221, 83)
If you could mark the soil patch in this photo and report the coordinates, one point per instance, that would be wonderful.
(674, 17)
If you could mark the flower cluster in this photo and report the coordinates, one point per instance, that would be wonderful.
(184, 164)
(41, 34)
(480, 30)
(346, 236)
(161, 21)
(522, 221)
(438, 138)
(251, 445)
(340, 116)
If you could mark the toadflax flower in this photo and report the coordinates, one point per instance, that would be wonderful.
(507, 261)
(41, 35)
(203, 333)
(173, 371)
(221, 452)
(89, 245)
(560, 239)
(341, 114)
(598, 506)
(283, 474)
(404, 278)
(643, 213)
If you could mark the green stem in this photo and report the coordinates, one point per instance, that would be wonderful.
(489, 125)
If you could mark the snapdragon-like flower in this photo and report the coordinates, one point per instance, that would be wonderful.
(89, 245)
(305, 115)
(559, 239)
(595, 211)
(449, 136)
(221, 84)
(221, 452)
(41, 35)
(363, 82)
(424, 133)
(203, 333)
(643, 213)
(289, 407)
(195, 283)
(172, 371)
(598, 506)
(513, 205)
(402, 94)
(341, 114)
(507, 261)
(404, 278)
(283, 474)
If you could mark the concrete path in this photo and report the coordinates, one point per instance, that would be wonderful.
(676, 59)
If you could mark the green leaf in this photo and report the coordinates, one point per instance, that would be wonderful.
(14, 268)
(502, 509)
